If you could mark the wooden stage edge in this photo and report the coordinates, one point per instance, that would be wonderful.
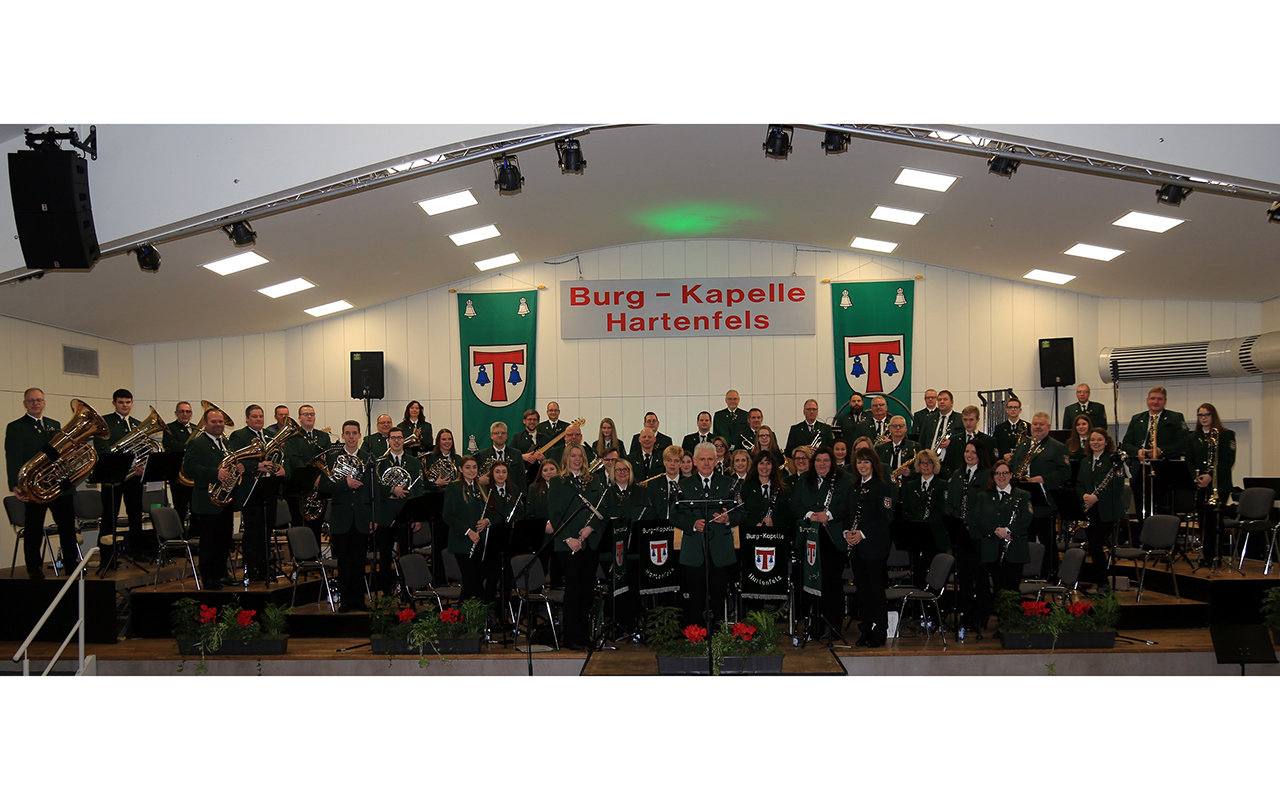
(1176, 652)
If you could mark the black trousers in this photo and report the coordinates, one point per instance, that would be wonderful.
(258, 522)
(1098, 536)
(214, 531)
(64, 516)
(131, 492)
(972, 581)
(693, 583)
(872, 577)
(579, 572)
(387, 539)
(349, 549)
(831, 604)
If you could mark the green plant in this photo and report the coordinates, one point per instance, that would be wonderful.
(208, 627)
(1271, 608)
(1017, 615)
(757, 636)
(426, 630)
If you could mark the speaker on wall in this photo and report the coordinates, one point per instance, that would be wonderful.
(366, 375)
(1057, 362)
(51, 208)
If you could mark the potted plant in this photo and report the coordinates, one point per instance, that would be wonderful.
(402, 630)
(749, 647)
(206, 630)
(1271, 612)
(1047, 626)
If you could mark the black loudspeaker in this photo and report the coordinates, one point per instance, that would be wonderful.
(366, 374)
(51, 207)
(1057, 362)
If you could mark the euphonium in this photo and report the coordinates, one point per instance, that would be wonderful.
(142, 441)
(1211, 440)
(223, 493)
(43, 479)
(199, 429)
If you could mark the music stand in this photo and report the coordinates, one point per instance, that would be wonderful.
(705, 505)
(1242, 644)
(262, 491)
(113, 470)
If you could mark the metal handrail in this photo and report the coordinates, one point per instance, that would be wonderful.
(77, 628)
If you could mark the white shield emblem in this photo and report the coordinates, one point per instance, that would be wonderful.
(811, 552)
(765, 557)
(498, 373)
(619, 552)
(874, 364)
(658, 552)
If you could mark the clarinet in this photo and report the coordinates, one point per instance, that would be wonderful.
(857, 517)
(1013, 514)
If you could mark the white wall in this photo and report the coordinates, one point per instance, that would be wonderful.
(31, 355)
(972, 333)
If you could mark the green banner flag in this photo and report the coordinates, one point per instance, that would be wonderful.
(871, 322)
(810, 537)
(497, 332)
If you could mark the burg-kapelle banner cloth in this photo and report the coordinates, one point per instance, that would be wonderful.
(871, 323)
(497, 332)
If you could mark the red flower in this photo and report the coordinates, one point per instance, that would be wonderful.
(450, 615)
(743, 631)
(1032, 608)
(207, 615)
(695, 633)
(245, 618)
(406, 615)
(1080, 609)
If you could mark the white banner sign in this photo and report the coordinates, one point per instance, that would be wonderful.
(687, 307)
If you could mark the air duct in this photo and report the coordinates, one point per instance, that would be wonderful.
(1218, 358)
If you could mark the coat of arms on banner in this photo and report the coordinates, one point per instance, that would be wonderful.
(811, 552)
(497, 373)
(765, 558)
(658, 552)
(874, 364)
(619, 553)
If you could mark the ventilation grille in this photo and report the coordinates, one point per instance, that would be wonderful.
(1246, 356)
(1162, 362)
(79, 361)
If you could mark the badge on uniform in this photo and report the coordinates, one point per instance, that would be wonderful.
(888, 502)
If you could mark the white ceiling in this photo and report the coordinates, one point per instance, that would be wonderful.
(378, 245)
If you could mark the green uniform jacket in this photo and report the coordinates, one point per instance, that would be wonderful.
(755, 505)
(564, 507)
(719, 535)
(869, 428)
(241, 438)
(956, 491)
(425, 434)
(1007, 437)
(1171, 434)
(374, 445)
(915, 501)
(1097, 414)
(23, 438)
(303, 448)
(694, 439)
(955, 453)
(1198, 460)
(989, 512)
(849, 423)
(200, 464)
(923, 422)
(464, 506)
(800, 434)
(348, 508)
(515, 465)
(388, 504)
(1050, 462)
(660, 442)
(117, 428)
(429, 461)
(806, 496)
(871, 503)
(176, 435)
(885, 451)
(730, 424)
(661, 499)
(1088, 477)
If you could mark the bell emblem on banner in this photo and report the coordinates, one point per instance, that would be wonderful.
(845, 302)
(483, 378)
(890, 368)
(472, 447)
(469, 311)
(523, 310)
(858, 370)
(901, 299)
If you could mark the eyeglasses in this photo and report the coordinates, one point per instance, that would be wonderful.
(1203, 414)
(1003, 472)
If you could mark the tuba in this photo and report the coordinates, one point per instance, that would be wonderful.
(44, 477)
(182, 477)
(142, 441)
(223, 493)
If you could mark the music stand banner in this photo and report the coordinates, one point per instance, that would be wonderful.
(766, 559)
(655, 542)
(811, 556)
(871, 322)
(498, 333)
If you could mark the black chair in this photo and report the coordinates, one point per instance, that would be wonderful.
(1068, 576)
(417, 580)
(935, 586)
(531, 588)
(1253, 515)
(1031, 580)
(1159, 536)
(17, 518)
(305, 551)
(171, 537)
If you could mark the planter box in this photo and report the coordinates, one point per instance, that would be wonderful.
(733, 665)
(469, 645)
(234, 647)
(1089, 640)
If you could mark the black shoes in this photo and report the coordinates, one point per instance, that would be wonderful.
(35, 574)
(863, 641)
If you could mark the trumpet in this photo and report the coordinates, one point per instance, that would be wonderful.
(142, 441)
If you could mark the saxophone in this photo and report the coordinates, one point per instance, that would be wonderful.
(1097, 490)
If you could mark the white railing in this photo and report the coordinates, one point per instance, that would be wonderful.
(85, 666)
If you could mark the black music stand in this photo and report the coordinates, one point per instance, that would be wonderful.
(1242, 644)
(113, 470)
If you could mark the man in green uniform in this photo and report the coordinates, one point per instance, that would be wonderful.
(507, 455)
(924, 420)
(702, 434)
(1009, 432)
(176, 435)
(526, 442)
(1154, 435)
(730, 421)
(300, 451)
(375, 444)
(120, 423)
(257, 508)
(1096, 412)
(811, 428)
(392, 496)
(23, 438)
(1041, 465)
(210, 522)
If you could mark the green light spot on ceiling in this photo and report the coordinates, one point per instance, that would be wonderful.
(697, 219)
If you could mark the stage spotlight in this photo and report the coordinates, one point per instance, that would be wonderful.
(1273, 213)
(1002, 166)
(241, 234)
(506, 175)
(777, 142)
(569, 156)
(148, 258)
(1172, 195)
(835, 142)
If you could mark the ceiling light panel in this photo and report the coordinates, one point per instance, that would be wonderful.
(236, 263)
(497, 261)
(1148, 222)
(288, 287)
(474, 235)
(899, 215)
(1049, 277)
(448, 202)
(863, 243)
(329, 308)
(1094, 251)
(918, 179)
